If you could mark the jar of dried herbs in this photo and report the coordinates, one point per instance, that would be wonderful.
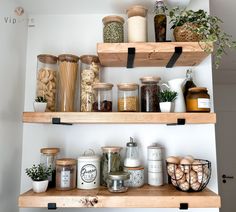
(111, 162)
(113, 30)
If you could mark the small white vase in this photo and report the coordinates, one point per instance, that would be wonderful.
(40, 186)
(166, 107)
(40, 106)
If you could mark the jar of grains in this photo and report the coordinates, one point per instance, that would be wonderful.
(68, 68)
(137, 24)
(128, 97)
(47, 79)
(103, 97)
(113, 30)
(65, 174)
(90, 69)
(149, 94)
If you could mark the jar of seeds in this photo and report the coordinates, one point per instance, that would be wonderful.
(113, 30)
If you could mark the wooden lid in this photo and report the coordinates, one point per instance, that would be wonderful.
(197, 89)
(50, 151)
(133, 168)
(113, 18)
(88, 59)
(66, 161)
(137, 10)
(127, 86)
(150, 79)
(102, 86)
(47, 58)
(111, 149)
(68, 57)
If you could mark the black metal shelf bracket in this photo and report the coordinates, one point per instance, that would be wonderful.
(175, 56)
(52, 206)
(130, 57)
(183, 206)
(179, 122)
(58, 121)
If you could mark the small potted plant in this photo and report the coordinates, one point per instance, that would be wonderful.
(199, 26)
(40, 104)
(39, 175)
(166, 99)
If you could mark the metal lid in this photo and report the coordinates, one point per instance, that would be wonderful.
(127, 86)
(89, 155)
(66, 161)
(50, 151)
(89, 59)
(68, 57)
(118, 176)
(113, 149)
(131, 143)
(197, 89)
(47, 58)
(102, 86)
(113, 18)
(155, 146)
(149, 79)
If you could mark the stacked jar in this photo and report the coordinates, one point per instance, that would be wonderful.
(155, 170)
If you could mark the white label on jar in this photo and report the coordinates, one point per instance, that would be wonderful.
(203, 103)
(65, 179)
(88, 173)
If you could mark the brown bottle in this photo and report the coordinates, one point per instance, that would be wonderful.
(188, 84)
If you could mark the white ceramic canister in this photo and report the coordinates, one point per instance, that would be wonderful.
(136, 179)
(155, 178)
(155, 152)
(88, 176)
(155, 166)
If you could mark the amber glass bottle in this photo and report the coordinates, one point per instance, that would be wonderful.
(188, 83)
(160, 21)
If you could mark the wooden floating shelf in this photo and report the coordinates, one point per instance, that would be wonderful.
(146, 197)
(119, 118)
(152, 54)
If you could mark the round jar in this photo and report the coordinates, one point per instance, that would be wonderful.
(117, 181)
(47, 79)
(88, 171)
(155, 152)
(113, 30)
(128, 94)
(48, 159)
(149, 94)
(103, 97)
(198, 100)
(136, 179)
(90, 69)
(137, 24)
(68, 68)
(65, 174)
(111, 162)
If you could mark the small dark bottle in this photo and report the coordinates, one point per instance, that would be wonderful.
(188, 83)
(160, 21)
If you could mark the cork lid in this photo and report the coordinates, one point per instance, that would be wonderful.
(113, 149)
(197, 89)
(47, 58)
(113, 18)
(66, 161)
(68, 58)
(102, 86)
(50, 151)
(133, 168)
(88, 59)
(137, 10)
(127, 86)
(150, 79)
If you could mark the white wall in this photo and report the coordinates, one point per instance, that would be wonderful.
(12, 71)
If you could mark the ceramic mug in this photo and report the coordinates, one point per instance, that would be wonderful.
(136, 179)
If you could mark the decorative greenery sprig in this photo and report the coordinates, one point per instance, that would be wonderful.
(38, 173)
(167, 96)
(208, 29)
(40, 99)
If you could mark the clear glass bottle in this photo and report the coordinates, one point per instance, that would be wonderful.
(128, 100)
(47, 79)
(160, 21)
(103, 97)
(117, 181)
(188, 83)
(132, 154)
(149, 94)
(48, 159)
(90, 70)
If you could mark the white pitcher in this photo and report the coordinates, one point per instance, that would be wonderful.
(177, 86)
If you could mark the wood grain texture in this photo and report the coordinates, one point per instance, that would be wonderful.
(146, 197)
(151, 54)
(119, 117)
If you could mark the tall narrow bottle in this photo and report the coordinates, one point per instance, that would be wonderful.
(160, 21)
(188, 83)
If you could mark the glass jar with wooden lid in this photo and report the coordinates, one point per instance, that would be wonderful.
(198, 100)
(65, 174)
(128, 100)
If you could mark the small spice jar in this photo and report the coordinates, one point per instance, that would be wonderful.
(48, 159)
(113, 30)
(103, 97)
(128, 97)
(47, 79)
(149, 94)
(65, 174)
(198, 100)
(90, 69)
(111, 162)
(117, 181)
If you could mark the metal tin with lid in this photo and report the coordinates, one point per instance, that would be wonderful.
(155, 152)
(117, 181)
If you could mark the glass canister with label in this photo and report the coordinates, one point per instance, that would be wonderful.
(65, 174)
(47, 79)
(198, 100)
(90, 69)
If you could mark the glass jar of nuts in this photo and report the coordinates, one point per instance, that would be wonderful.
(47, 79)
(128, 97)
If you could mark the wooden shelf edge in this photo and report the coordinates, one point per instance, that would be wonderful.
(119, 118)
(146, 197)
